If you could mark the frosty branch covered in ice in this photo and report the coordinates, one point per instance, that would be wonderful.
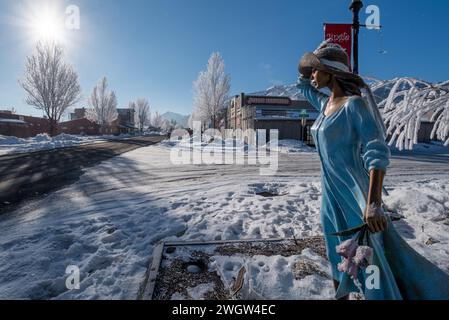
(157, 121)
(409, 102)
(142, 115)
(103, 104)
(50, 83)
(211, 90)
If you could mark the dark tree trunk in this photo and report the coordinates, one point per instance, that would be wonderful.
(52, 129)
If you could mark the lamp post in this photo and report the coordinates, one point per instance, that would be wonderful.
(355, 7)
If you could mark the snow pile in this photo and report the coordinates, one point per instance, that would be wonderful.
(42, 138)
(425, 206)
(283, 146)
(12, 145)
(292, 146)
(8, 141)
(208, 145)
(273, 277)
(246, 211)
(67, 137)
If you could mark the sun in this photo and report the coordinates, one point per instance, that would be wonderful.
(48, 29)
(47, 25)
(43, 21)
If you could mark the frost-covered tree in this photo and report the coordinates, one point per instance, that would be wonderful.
(170, 125)
(157, 121)
(167, 126)
(211, 90)
(103, 105)
(190, 120)
(199, 117)
(142, 112)
(132, 106)
(408, 103)
(50, 83)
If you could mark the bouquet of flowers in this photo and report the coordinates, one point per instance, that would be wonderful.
(356, 253)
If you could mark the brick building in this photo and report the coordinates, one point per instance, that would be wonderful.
(22, 126)
(293, 118)
(124, 124)
(79, 127)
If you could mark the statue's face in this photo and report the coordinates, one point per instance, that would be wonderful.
(320, 79)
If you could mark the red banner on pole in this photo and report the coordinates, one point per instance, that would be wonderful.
(340, 34)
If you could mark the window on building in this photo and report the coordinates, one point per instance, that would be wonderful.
(274, 113)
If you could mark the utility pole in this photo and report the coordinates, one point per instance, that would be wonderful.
(355, 7)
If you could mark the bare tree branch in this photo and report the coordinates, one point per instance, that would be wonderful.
(50, 83)
(157, 121)
(142, 109)
(211, 90)
(103, 105)
(408, 103)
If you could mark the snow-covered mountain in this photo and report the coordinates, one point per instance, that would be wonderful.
(281, 91)
(381, 88)
(292, 92)
(179, 118)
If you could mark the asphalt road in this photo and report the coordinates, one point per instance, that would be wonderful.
(32, 175)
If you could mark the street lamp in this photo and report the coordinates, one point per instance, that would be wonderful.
(355, 7)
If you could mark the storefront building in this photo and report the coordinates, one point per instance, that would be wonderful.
(292, 118)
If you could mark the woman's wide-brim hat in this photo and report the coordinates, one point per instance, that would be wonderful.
(331, 58)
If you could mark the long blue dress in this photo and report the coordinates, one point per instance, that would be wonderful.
(350, 144)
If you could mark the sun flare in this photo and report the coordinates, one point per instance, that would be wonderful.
(46, 22)
(48, 29)
(46, 25)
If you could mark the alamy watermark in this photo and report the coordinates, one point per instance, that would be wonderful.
(72, 282)
(230, 146)
(372, 281)
(72, 17)
(373, 20)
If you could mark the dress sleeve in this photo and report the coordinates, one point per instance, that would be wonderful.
(317, 99)
(375, 151)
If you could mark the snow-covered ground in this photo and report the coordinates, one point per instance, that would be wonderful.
(292, 146)
(109, 222)
(12, 145)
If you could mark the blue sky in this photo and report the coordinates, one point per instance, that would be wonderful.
(155, 49)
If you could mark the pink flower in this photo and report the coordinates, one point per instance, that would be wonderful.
(364, 256)
(343, 266)
(347, 249)
(353, 270)
(348, 266)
